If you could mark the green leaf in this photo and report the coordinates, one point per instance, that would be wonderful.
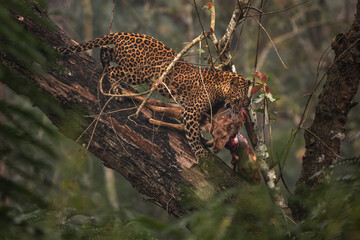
(200, 50)
(270, 97)
(259, 110)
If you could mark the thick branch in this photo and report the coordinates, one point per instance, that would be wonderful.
(158, 163)
(324, 137)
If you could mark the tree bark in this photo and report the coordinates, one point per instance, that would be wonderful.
(158, 163)
(324, 137)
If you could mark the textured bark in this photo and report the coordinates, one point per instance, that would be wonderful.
(223, 45)
(324, 137)
(158, 163)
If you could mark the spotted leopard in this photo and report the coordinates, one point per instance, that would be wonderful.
(141, 59)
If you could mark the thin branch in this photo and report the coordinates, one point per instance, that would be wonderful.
(267, 34)
(257, 50)
(112, 16)
(277, 11)
(112, 112)
(136, 114)
(322, 142)
(96, 123)
(207, 95)
(285, 37)
(202, 27)
(285, 9)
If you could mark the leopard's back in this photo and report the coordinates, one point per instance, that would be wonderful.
(141, 59)
(146, 58)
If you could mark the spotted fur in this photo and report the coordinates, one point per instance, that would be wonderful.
(142, 59)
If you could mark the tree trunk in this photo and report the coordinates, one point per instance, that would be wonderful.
(324, 137)
(158, 163)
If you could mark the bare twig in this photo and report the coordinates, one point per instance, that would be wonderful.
(143, 103)
(207, 95)
(257, 48)
(284, 37)
(273, 44)
(278, 11)
(322, 142)
(112, 16)
(203, 31)
(96, 123)
(286, 9)
(112, 112)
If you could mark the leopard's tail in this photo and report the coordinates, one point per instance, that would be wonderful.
(97, 42)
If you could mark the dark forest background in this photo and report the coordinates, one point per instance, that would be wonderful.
(50, 188)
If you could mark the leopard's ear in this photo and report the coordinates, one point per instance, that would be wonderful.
(235, 82)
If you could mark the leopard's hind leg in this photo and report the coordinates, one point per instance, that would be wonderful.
(118, 74)
(107, 55)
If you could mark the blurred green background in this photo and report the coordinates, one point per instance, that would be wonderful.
(51, 189)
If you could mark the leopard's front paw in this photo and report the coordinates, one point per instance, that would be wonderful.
(118, 92)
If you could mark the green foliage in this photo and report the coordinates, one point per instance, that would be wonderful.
(246, 213)
(27, 152)
(251, 216)
(29, 52)
(334, 209)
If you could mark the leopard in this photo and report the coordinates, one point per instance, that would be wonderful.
(139, 59)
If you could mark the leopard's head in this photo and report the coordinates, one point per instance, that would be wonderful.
(236, 94)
